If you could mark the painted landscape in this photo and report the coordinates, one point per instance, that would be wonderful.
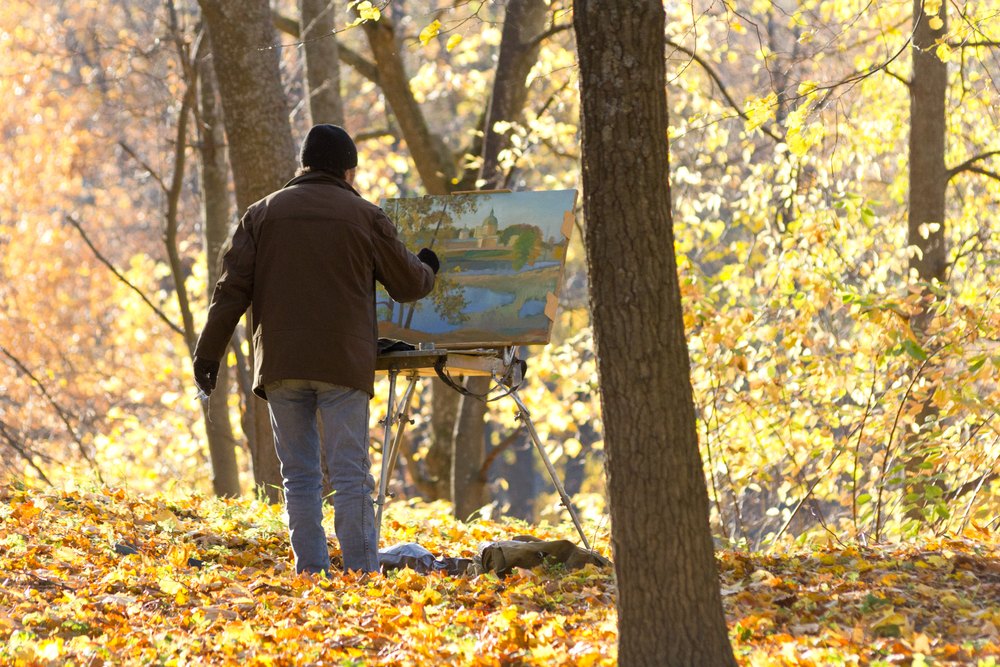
(502, 257)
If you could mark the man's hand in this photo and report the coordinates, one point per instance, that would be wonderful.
(428, 257)
(206, 373)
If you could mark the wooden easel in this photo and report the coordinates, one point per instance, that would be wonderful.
(496, 363)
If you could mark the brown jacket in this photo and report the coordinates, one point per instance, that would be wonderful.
(307, 258)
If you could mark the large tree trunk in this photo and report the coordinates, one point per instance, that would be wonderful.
(669, 607)
(215, 215)
(928, 173)
(524, 21)
(261, 149)
(322, 61)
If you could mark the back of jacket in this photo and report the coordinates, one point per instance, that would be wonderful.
(306, 258)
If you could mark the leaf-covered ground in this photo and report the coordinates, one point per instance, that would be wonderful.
(104, 577)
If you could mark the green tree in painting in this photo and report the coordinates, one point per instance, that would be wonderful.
(527, 246)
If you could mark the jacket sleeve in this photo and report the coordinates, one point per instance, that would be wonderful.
(404, 276)
(233, 292)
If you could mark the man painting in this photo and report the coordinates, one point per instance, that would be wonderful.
(307, 257)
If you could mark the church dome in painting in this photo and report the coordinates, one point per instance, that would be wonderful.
(490, 225)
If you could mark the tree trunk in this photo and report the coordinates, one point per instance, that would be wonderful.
(524, 21)
(428, 152)
(435, 167)
(669, 606)
(927, 201)
(522, 480)
(928, 173)
(444, 413)
(468, 485)
(261, 149)
(322, 61)
(215, 215)
(322, 90)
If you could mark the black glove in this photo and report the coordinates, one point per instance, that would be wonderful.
(428, 257)
(206, 372)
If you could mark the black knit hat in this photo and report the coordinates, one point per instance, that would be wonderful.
(328, 147)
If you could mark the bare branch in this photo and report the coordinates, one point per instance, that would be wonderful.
(55, 406)
(176, 187)
(285, 24)
(145, 165)
(970, 165)
(972, 45)
(375, 134)
(551, 32)
(361, 65)
(509, 441)
(17, 447)
(71, 220)
(705, 65)
(984, 172)
(898, 77)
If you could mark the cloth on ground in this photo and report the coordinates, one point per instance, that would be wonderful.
(415, 557)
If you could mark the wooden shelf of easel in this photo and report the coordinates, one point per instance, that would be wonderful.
(457, 362)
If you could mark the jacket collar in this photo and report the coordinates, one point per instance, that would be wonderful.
(324, 177)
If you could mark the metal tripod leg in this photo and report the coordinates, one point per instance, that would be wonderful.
(525, 417)
(391, 452)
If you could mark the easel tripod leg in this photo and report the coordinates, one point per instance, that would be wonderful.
(391, 452)
(526, 419)
(404, 419)
(383, 481)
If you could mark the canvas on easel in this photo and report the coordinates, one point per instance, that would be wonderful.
(502, 258)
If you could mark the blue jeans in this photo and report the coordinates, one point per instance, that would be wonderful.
(294, 406)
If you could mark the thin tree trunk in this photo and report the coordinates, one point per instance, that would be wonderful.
(261, 149)
(669, 606)
(928, 173)
(522, 480)
(429, 154)
(927, 202)
(444, 413)
(216, 216)
(322, 61)
(524, 21)
(322, 90)
(468, 485)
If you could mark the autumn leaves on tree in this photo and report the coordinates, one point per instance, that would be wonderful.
(822, 242)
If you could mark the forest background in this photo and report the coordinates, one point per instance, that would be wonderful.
(837, 250)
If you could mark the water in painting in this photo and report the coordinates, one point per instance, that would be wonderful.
(502, 258)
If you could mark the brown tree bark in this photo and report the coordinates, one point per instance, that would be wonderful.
(261, 149)
(520, 45)
(468, 485)
(669, 606)
(429, 153)
(929, 178)
(928, 173)
(215, 210)
(322, 61)
(444, 413)
(524, 22)
(436, 169)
